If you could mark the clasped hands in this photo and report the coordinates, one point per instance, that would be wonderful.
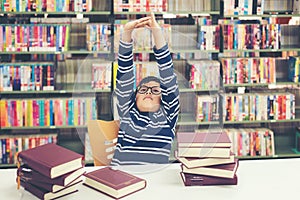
(148, 22)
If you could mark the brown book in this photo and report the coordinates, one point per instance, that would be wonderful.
(51, 160)
(203, 138)
(225, 171)
(203, 162)
(33, 176)
(202, 180)
(44, 194)
(49, 187)
(115, 183)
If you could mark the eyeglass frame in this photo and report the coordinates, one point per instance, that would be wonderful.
(151, 89)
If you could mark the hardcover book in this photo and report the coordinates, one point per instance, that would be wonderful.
(115, 183)
(225, 171)
(202, 180)
(63, 180)
(44, 194)
(49, 187)
(203, 138)
(203, 162)
(51, 160)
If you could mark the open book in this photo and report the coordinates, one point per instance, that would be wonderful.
(103, 138)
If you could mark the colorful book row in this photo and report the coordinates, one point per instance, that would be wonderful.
(258, 106)
(252, 142)
(249, 70)
(208, 37)
(98, 37)
(101, 75)
(140, 5)
(45, 5)
(204, 74)
(207, 108)
(32, 37)
(10, 146)
(251, 36)
(47, 112)
(26, 77)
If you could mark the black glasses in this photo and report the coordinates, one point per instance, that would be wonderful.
(154, 90)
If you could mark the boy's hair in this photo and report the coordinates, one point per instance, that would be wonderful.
(148, 79)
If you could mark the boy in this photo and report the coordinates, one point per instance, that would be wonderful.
(148, 116)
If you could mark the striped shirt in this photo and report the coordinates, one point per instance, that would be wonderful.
(145, 137)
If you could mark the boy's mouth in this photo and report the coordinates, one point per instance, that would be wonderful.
(147, 98)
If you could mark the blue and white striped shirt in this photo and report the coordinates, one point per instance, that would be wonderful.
(145, 137)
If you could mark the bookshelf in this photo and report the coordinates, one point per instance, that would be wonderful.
(73, 64)
(26, 31)
(275, 14)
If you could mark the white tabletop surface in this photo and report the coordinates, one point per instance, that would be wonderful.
(269, 179)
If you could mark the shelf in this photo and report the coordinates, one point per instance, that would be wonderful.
(190, 90)
(259, 50)
(66, 89)
(191, 50)
(40, 127)
(262, 121)
(56, 52)
(184, 89)
(54, 92)
(269, 85)
(189, 119)
(194, 13)
(56, 13)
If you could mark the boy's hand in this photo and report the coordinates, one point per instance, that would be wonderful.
(130, 26)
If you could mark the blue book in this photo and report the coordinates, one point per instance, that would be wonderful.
(51, 113)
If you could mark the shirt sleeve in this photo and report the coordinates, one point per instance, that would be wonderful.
(169, 86)
(125, 77)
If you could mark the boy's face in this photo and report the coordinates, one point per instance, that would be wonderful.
(148, 97)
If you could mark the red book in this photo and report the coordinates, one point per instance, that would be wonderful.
(225, 171)
(51, 160)
(44, 194)
(203, 162)
(202, 180)
(35, 176)
(50, 187)
(115, 183)
(203, 139)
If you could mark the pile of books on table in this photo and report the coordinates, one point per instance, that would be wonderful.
(206, 158)
(49, 171)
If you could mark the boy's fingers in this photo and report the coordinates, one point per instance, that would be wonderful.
(142, 24)
(152, 16)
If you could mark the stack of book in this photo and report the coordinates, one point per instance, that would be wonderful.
(49, 171)
(206, 158)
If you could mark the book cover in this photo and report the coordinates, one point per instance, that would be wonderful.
(203, 138)
(202, 180)
(224, 170)
(29, 174)
(115, 183)
(50, 187)
(44, 194)
(51, 160)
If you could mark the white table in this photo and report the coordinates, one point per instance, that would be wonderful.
(257, 179)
